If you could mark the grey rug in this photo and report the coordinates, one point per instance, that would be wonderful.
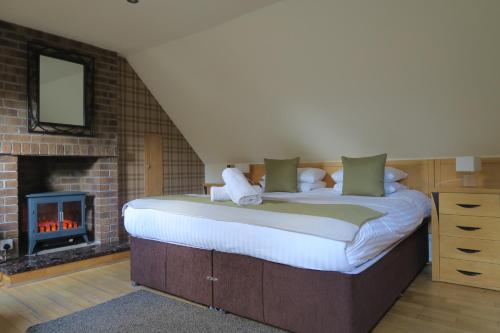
(144, 311)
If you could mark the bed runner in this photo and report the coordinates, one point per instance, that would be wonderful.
(332, 221)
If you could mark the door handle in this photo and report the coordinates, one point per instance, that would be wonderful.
(468, 250)
(468, 206)
(468, 228)
(468, 273)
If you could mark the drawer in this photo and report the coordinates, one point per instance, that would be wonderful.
(470, 249)
(469, 204)
(470, 226)
(472, 273)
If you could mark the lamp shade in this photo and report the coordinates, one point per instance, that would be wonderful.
(468, 164)
(213, 173)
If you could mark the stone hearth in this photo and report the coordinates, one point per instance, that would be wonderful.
(30, 263)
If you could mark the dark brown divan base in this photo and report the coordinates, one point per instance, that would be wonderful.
(295, 299)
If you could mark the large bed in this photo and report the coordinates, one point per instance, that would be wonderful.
(296, 281)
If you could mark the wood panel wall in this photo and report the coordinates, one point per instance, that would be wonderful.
(447, 178)
(423, 175)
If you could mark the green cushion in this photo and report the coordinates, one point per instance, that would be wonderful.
(364, 176)
(281, 175)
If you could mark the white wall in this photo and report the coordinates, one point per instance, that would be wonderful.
(322, 78)
(213, 173)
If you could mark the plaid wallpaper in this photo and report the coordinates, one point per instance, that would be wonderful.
(140, 113)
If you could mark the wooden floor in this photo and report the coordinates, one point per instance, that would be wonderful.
(425, 307)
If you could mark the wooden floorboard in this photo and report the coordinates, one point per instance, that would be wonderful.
(425, 306)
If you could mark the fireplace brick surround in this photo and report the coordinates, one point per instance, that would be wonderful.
(101, 180)
(124, 112)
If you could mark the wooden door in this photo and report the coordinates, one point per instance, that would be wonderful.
(153, 165)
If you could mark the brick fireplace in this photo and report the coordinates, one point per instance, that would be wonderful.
(92, 175)
(36, 162)
(124, 112)
(97, 177)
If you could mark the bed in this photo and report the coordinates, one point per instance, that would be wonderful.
(295, 281)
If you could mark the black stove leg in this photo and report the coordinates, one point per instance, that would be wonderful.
(31, 247)
(86, 239)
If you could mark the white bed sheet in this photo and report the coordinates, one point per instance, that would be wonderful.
(405, 211)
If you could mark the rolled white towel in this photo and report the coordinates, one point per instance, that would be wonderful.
(239, 189)
(220, 193)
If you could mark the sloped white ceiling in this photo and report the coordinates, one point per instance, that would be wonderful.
(123, 27)
(322, 78)
(315, 78)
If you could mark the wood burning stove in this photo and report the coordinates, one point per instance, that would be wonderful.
(55, 215)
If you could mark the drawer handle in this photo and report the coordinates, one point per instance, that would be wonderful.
(469, 273)
(468, 228)
(468, 205)
(468, 250)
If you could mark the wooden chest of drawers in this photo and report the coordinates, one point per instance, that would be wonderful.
(466, 238)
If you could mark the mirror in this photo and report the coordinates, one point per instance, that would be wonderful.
(60, 90)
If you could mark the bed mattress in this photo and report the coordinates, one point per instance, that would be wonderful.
(404, 210)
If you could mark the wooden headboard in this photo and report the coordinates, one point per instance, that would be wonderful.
(420, 172)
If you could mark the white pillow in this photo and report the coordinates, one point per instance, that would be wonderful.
(308, 175)
(301, 186)
(388, 187)
(390, 175)
(306, 187)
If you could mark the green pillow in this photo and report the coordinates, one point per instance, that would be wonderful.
(364, 176)
(281, 175)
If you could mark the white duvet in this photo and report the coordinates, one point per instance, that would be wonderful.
(405, 211)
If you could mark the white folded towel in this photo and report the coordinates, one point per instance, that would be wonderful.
(239, 189)
(219, 193)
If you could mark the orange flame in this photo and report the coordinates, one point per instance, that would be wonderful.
(48, 226)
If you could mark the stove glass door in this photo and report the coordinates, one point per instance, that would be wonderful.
(47, 217)
(71, 215)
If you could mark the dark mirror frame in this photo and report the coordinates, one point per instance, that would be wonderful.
(35, 49)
